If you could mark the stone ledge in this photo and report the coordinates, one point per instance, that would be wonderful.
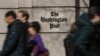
(25, 3)
(8, 3)
(54, 3)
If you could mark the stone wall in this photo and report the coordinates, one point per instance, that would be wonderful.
(53, 38)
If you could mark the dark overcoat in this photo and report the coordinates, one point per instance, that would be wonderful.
(83, 42)
(12, 45)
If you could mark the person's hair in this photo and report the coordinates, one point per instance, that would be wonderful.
(73, 26)
(11, 13)
(24, 14)
(92, 11)
(36, 26)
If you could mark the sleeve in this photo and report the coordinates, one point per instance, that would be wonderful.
(13, 39)
(36, 50)
(40, 43)
(82, 40)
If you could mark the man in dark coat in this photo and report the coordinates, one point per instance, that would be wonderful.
(84, 39)
(14, 34)
(86, 44)
(23, 16)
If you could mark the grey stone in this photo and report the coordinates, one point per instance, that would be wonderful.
(25, 3)
(54, 3)
(83, 10)
(84, 3)
(8, 3)
(68, 13)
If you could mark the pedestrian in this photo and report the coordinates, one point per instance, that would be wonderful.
(23, 16)
(14, 33)
(38, 46)
(82, 40)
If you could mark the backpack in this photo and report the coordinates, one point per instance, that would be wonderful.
(69, 41)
